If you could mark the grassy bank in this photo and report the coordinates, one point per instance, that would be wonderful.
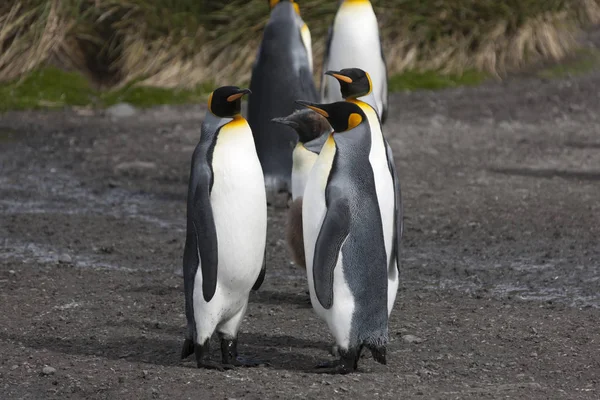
(186, 43)
(51, 87)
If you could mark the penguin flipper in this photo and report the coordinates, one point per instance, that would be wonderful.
(398, 211)
(307, 84)
(206, 240)
(334, 230)
(261, 275)
(384, 92)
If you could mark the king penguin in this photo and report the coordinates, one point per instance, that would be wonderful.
(312, 129)
(356, 84)
(281, 73)
(354, 41)
(344, 240)
(224, 255)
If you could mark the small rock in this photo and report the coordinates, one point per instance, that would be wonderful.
(412, 339)
(12, 272)
(287, 375)
(144, 373)
(47, 370)
(533, 354)
(65, 259)
(121, 110)
(134, 166)
(14, 367)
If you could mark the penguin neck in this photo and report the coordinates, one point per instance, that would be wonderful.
(356, 3)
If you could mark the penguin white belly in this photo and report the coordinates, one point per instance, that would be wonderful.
(339, 316)
(303, 161)
(384, 186)
(239, 206)
(355, 44)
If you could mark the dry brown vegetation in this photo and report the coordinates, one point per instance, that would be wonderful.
(187, 42)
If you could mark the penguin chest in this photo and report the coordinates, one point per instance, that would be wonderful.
(239, 206)
(303, 161)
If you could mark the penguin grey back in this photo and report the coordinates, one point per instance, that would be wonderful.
(280, 75)
(351, 189)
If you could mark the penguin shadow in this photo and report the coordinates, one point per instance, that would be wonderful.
(282, 352)
(159, 351)
(279, 352)
(302, 299)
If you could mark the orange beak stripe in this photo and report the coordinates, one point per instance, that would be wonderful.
(234, 97)
(342, 78)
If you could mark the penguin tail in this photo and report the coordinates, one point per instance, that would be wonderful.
(378, 353)
(377, 345)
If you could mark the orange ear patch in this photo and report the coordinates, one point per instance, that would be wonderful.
(353, 120)
(210, 101)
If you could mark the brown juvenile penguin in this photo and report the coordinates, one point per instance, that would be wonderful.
(311, 129)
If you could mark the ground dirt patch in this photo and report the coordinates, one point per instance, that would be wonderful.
(500, 283)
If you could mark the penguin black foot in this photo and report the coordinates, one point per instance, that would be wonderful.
(188, 348)
(201, 351)
(347, 363)
(229, 354)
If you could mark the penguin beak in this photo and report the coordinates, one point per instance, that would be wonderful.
(239, 94)
(313, 106)
(285, 121)
(339, 76)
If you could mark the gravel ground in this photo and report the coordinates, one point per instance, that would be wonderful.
(500, 286)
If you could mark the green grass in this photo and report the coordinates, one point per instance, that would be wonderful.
(54, 88)
(583, 61)
(432, 80)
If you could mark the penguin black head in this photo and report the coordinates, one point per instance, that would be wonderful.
(273, 3)
(342, 115)
(354, 82)
(226, 101)
(308, 124)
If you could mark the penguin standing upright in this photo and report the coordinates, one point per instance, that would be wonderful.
(344, 240)
(354, 41)
(312, 130)
(224, 256)
(355, 84)
(281, 73)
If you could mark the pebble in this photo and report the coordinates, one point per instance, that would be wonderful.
(47, 370)
(121, 110)
(65, 259)
(412, 339)
(14, 367)
(135, 166)
(12, 272)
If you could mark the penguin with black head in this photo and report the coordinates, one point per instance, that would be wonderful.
(344, 242)
(224, 255)
(281, 73)
(356, 87)
(312, 129)
(354, 40)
